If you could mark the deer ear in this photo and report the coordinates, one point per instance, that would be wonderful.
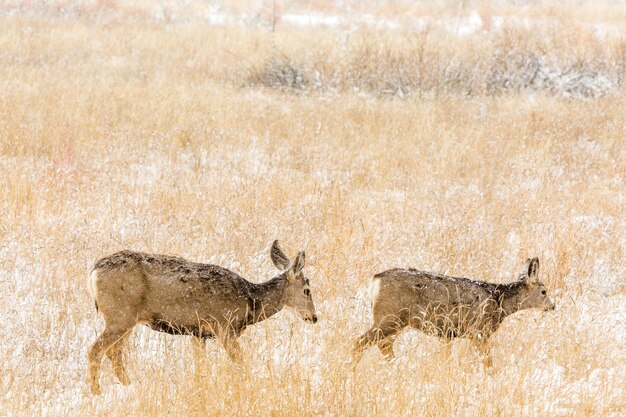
(533, 270)
(298, 264)
(530, 271)
(280, 260)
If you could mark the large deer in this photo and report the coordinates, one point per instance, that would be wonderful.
(176, 296)
(446, 307)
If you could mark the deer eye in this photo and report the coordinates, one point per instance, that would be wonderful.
(543, 292)
(307, 292)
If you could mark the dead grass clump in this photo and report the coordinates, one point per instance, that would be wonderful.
(551, 60)
(280, 72)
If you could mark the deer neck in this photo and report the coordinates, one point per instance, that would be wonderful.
(511, 297)
(268, 298)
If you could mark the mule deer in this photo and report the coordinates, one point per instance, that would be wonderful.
(176, 296)
(446, 307)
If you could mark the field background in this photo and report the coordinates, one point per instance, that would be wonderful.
(457, 137)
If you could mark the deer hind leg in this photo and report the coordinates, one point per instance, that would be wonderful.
(116, 355)
(362, 344)
(103, 343)
(383, 335)
(386, 347)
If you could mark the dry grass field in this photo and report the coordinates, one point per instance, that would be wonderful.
(395, 147)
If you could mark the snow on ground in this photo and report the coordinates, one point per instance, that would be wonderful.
(462, 22)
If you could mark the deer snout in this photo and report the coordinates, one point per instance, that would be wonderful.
(549, 305)
(311, 318)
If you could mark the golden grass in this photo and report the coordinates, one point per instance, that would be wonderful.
(148, 137)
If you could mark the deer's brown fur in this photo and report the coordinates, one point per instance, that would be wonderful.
(176, 296)
(447, 307)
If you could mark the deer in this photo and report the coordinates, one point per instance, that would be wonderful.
(446, 307)
(173, 295)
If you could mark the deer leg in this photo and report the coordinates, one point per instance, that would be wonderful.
(199, 344)
(102, 344)
(375, 335)
(233, 350)
(199, 349)
(363, 343)
(116, 355)
(386, 347)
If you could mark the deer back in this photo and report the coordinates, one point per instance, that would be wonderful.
(171, 289)
(435, 303)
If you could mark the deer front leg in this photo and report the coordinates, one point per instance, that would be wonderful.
(199, 348)
(233, 350)
(199, 343)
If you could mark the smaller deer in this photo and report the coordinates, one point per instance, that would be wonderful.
(446, 307)
(176, 296)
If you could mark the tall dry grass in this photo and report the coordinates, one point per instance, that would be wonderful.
(560, 58)
(148, 136)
